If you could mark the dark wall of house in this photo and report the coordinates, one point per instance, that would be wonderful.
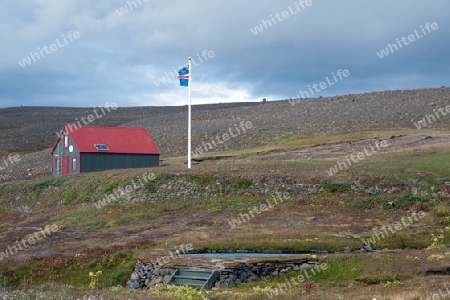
(91, 162)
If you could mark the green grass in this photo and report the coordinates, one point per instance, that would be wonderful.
(243, 183)
(110, 187)
(410, 163)
(402, 240)
(154, 185)
(287, 139)
(384, 277)
(335, 187)
(97, 219)
(201, 179)
(115, 268)
(71, 195)
(424, 200)
(333, 244)
(336, 272)
(44, 184)
(340, 271)
(242, 156)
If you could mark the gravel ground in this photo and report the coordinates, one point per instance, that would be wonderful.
(30, 295)
(396, 109)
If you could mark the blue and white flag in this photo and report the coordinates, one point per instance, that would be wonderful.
(183, 75)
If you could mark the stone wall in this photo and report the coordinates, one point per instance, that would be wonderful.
(147, 275)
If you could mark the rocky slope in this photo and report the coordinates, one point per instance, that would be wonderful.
(29, 129)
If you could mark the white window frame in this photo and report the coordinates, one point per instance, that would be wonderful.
(57, 168)
(74, 164)
(66, 142)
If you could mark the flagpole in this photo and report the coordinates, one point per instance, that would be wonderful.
(189, 122)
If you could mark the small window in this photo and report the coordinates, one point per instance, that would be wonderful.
(66, 141)
(101, 147)
(74, 164)
(57, 169)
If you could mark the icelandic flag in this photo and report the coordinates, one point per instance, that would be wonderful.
(183, 75)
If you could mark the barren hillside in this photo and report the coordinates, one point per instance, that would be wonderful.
(30, 129)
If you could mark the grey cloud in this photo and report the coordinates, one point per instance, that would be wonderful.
(119, 57)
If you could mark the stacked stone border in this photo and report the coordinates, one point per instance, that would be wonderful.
(147, 275)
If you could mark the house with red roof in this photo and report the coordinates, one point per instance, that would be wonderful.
(91, 148)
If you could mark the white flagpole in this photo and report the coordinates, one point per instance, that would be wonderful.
(189, 123)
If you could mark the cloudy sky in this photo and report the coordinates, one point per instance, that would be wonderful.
(121, 51)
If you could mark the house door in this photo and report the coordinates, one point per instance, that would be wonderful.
(65, 165)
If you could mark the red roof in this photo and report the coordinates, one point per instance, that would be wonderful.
(130, 140)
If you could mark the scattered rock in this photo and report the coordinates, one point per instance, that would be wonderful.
(396, 190)
(134, 276)
(368, 249)
(225, 283)
(305, 267)
(438, 271)
(164, 272)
